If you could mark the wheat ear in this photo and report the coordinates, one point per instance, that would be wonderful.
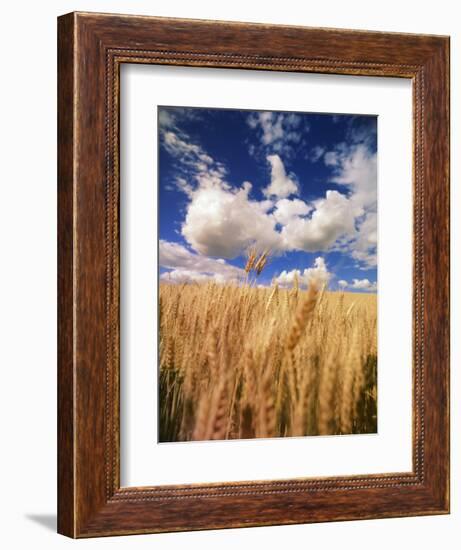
(273, 297)
(302, 317)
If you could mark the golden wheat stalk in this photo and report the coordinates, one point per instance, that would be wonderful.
(273, 297)
(251, 259)
(267, 416)
(261, 262)
(302, 317)
(217, 422)
(238, 361)
(326, 395)
(303, 404)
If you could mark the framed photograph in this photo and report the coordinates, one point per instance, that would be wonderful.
(253, 275)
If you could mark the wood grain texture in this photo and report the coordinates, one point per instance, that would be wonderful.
(66, 471)
(91, 49)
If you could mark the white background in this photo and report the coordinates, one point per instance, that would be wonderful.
(28, 273)
(143, 461)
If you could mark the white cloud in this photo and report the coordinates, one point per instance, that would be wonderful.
(278, 132)
(184, 276)
(357, 168)
(292, 120)
(316, 153)
(363, 284)
(366, 260)
(331, 158)
(286, 210)
(181, 276)
(221, 221)
(165, 119)
(193, 163)
(365, 244)
(271, 125)
(359, 284)
(333, 217)
(286, 278)
(188, 152)
(171, 118)
(183, 185)
(188, 265)
(369, 230)
(281, 184)
(362, 133)
(318, 274)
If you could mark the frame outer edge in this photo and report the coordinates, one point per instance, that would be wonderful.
(85, 506)
(448, 176)
(66, 524)
(438, 268)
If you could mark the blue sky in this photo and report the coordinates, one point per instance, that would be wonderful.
(302, 185)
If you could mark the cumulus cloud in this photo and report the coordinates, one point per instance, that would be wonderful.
(355, 168)
(286, 210)
(281, 184)
(181, 276)
(221, 221)
(332, 217)
(318, 274)
(187, 266)
(363, 284)
(365, 245)
(359, 284)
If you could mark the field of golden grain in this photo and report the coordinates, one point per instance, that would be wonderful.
(239, 362)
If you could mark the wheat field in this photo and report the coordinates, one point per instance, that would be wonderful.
(240, 362)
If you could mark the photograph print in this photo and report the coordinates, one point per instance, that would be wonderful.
(267, 292)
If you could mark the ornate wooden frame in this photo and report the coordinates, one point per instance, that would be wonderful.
(91, 48)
